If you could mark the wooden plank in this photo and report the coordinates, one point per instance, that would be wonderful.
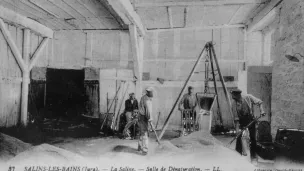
(158, 3)
(199, 28)
(101, 13)
(97, 10)
(23, 9)
(90, 18)
(51, 8)
(40, 13)
(263, 13)
(68, 9)
(16, 18)
(125, 10)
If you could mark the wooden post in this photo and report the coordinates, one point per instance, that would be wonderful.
(25, 77)
(12, 45)
(222, 80)
(137, 51)
(180, 94)
(215, 86)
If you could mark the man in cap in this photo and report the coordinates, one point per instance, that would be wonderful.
(130, 105)
(189, 101)
(243, 111)
(145, 112)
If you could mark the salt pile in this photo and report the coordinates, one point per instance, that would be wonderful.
(46, 154)
(11, 146)
(196, 140)
(166, 147)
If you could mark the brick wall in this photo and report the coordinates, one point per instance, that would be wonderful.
(288, 77)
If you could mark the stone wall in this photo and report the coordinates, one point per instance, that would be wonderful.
(288, 77)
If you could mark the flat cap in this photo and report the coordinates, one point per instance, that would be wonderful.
(131, 94)
(236, 91)
(149, 89)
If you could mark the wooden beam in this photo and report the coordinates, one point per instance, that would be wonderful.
(15, 18)
(25, 77)
(264, 22)
(264, 17)
(191, 83)
(191, 60)
(137, 59)
(12, 45)
(158, 3)
(234, 15)
(170, 17)
(198, 28)
(126, 12)
(37, 53)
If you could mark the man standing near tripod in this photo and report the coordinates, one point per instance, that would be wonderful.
(242, 108)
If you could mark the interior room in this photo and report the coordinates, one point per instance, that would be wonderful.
(88, 83)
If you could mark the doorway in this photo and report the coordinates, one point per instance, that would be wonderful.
(65, 93)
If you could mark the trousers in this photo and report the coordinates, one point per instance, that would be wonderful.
(252, 133)
(143, 140)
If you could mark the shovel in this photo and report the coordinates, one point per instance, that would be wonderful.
(245, 128)
(157, 139)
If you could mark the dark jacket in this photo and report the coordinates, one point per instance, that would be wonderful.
(129, 107)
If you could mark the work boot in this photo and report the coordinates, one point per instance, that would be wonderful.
(144, 153)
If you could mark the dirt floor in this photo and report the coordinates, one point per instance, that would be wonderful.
(200, 150)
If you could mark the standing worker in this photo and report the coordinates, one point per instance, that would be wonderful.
(243, 111)
(145, 112)
(130, 105)
(188, 102)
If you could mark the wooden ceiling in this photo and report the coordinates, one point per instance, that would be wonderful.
(155, 14)
(162, 14)
(66, 14)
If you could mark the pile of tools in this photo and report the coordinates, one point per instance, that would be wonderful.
(115, 116)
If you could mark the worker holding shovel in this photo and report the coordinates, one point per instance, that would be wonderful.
(242, 108)
(145, 111)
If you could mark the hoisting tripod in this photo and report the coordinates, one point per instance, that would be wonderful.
(211, 56)
(210, 59)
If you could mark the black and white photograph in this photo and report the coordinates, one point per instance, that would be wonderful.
(151, 85)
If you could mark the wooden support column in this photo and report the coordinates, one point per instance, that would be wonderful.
(137, 70)
(25, 77)
(12, 45)
(140, 64)
(24, 63)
